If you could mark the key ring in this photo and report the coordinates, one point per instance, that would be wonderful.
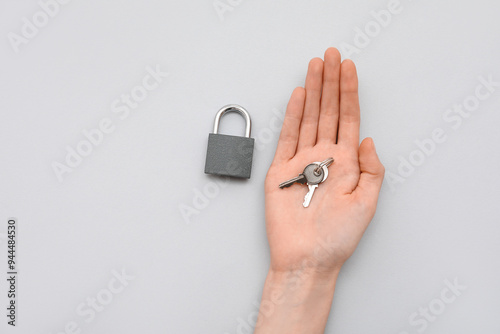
(326, 163)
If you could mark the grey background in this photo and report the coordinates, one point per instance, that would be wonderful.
(121, 208)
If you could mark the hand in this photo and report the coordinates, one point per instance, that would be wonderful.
(310, 245)
(345, 203)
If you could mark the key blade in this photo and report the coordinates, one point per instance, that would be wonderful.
(309, 195)
(285, 184)
(299, 179)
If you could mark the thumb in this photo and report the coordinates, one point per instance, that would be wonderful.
(372, 173)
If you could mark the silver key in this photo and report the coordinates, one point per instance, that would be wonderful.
(307, 176)
(313, 185)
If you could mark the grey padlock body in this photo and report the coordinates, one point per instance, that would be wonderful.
(229, 155)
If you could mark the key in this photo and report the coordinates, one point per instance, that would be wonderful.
(307, 176)
(314, 183)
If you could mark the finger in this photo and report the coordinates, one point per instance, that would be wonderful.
(287, 144)
(329, 110)
(372, 175)
(349, 106)
(309, 126)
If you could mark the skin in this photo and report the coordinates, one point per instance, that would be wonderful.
(310, 245)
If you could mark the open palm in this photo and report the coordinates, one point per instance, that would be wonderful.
(322, 120)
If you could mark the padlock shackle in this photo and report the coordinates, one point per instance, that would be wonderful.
(236, 108)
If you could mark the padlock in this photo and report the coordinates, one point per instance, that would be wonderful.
(230, 155)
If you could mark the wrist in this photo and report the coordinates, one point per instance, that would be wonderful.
(296, 301)
(302, 283)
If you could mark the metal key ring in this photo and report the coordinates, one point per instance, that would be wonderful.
(326, 163)
(325, 171)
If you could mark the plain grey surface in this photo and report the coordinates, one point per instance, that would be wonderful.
(196, 244)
